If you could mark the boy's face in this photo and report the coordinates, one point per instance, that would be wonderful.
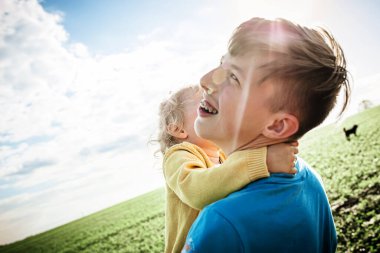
(241, 104)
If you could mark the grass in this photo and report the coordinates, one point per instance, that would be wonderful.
(136, 225)
(350, 170)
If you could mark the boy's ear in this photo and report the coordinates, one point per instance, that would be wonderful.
(282, 126)
(176, 131)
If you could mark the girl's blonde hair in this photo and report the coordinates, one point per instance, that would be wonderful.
(171, 114)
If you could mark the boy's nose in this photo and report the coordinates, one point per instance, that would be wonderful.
(212, 80)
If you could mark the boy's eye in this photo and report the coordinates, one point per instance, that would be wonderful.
(234, 77)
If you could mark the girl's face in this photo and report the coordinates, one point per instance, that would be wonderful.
(191, 107)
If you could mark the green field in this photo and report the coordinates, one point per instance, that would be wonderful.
(350, 171)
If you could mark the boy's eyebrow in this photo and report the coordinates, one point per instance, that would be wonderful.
(236, 67)
(222, 58)
(233, 66)
(239, 71)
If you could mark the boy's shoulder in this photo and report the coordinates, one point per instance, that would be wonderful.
(309, 171)
(264, 189)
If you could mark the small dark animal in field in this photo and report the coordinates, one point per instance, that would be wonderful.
(350, 131)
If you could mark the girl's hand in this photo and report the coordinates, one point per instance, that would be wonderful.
(281, 158)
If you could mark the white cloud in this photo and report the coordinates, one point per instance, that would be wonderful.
(75, 125)
(361, 89)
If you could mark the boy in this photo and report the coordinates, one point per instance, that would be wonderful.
(279, 80)
(191, 183)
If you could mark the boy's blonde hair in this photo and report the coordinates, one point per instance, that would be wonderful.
(307, 65)
(171, 114)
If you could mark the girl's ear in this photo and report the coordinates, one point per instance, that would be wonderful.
(176, 131)
(282, 126)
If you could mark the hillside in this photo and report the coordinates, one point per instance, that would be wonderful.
(136, 225)
(350, 170)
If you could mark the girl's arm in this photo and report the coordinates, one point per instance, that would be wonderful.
(197, 186)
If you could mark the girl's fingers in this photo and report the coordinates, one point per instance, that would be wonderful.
(293, 170)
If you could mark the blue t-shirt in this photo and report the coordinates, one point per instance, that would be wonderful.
(282, 213)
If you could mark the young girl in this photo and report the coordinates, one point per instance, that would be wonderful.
(197, 172)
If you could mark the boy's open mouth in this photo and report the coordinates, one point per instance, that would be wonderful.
(207, 108)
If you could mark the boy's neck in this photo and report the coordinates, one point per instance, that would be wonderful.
(258, 142)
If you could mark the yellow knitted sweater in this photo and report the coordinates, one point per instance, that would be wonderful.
(191, 184)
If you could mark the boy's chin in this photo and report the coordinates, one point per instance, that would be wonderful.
(203, 131)
(203, 134)
(198, 127)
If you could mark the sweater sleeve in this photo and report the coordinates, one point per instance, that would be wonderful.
(198, 186)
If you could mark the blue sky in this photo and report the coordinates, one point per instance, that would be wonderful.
(111, 26)
(114, 25)
(81, 81)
